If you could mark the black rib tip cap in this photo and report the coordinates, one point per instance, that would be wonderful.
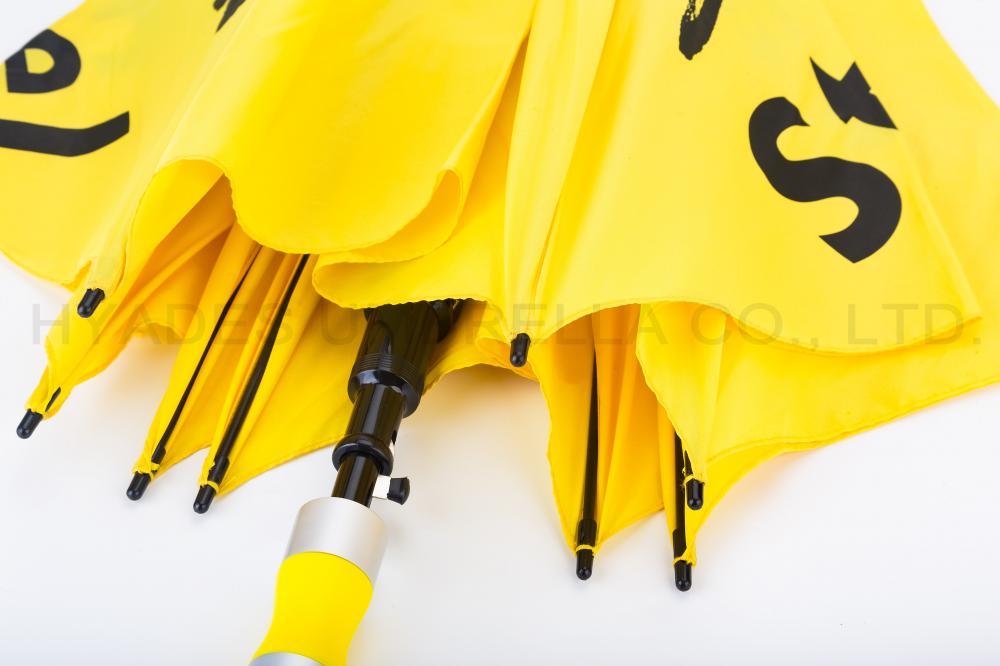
(682, 575)
(203, 501)
(88, 304)
(519, 350)
(137, 488)
(30, 421)
(584, 564)
(695, 494)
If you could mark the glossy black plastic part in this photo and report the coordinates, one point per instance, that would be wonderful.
(88, 304)
(682, 575)
(695, 494)
(137, 488)
(519, 350)
(586, 529)
(682, 568)
(203, 501)
(584, 564)
(356, 477)
(399, 490)
(26, 428)
(220, 463)
(141, 481)
(386, 385)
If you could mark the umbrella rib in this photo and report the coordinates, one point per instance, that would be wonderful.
(586, 531)
(220, 464)
(682, 568)
(141, 480)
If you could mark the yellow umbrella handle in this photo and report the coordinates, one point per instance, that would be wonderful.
(324, 584)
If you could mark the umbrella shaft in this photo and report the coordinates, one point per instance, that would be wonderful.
(385, 386)
(356, 479)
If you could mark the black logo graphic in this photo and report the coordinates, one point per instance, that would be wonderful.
(851, 97)
(806, 181)
(231, 7)
(697, 27)
(62, 74)
(65, 69)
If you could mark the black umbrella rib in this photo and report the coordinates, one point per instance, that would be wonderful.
(586, 531)
(220, 465)
(682, 568)
(141, 480)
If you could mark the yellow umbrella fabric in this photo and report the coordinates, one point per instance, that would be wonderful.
(224, 314)
(301, 403)
(755, 397)
(324, 103)
(639, 191)
(156, 296)
(629, 483)
(305, 406)
(763, 253)
(636, 463)
(244, 299)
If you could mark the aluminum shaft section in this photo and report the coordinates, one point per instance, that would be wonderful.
(340, 527)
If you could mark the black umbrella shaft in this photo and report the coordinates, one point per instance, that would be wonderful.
(378, 411)
(385, 386)
(356, 479)
(586, 529)
(590, 473)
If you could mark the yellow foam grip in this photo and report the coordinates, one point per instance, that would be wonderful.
(319, 604)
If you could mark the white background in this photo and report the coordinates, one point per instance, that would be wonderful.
(882, 548)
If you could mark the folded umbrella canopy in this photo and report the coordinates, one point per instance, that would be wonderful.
(633, 180)
(322, 102)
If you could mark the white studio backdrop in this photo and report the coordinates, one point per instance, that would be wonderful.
(876, 549)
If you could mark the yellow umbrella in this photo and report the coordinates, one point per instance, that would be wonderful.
(604, 133)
